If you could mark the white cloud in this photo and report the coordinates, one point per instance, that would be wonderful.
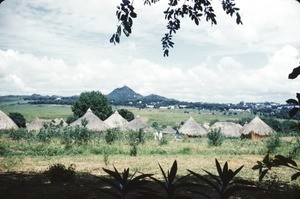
(228, 82)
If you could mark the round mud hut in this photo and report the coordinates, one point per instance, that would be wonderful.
(193, 129)
(228, 129)
(256, 129)
(94, 123)
(115, 120)
(6, 123)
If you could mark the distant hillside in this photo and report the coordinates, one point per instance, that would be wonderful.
(123, 93)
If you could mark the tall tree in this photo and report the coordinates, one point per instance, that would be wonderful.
(94, 100)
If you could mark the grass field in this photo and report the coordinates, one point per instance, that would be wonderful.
(27, 152)
(168, 117)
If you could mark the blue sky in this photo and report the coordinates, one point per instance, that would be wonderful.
(62, 47)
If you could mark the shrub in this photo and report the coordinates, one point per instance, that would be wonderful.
(137, 137)
(77, 135)
(110, 136)
(59, 173)
(106, 156)
(18, 134)
(133, 150)
(163, 141)
(273, 142)
(43, 135)
(215, 137)
(295, 152)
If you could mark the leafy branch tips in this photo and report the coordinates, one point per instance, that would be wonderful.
(194, 9)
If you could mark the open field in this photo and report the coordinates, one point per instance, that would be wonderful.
(167, 117)
(25, 153)
(45, 112)
(29, 154)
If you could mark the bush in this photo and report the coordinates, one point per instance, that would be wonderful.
(273, 142)
(111, 136)
(137, 137)
(163, 141)
(59, 173)
(295, 153)
(215, 137)
(77, 135)
(133, 150)
(18, 134)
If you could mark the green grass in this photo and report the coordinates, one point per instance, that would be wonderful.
(170, 117)
(46, 112)
(176, 116)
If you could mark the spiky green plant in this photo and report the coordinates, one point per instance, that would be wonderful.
(224, 183)
(124, 183)
(170, 184)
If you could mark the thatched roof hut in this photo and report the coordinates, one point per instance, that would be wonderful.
(228, 129)
(192, 128)
(137, 124)
(94, 123)
(115, 120)
(57, 122)
(256, 129)
(6, 122)
(35, 125)
(168, 130)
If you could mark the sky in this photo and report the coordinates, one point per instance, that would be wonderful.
(54, 47)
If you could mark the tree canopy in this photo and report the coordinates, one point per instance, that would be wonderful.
(18, 119)
(126, 114)
(94, 100)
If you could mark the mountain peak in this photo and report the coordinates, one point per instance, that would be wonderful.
(124, 93)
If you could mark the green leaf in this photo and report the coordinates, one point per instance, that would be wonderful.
(119, 30)
(295, 176)
(292, 101)
(295, 73)
(218, 167)
(262, 175)
(255, 167)
(163, 173)
(237, 171)
(213, 176)
(173, 172)
(212, 185)
(115, 175)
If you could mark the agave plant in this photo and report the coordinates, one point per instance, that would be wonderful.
(224, 182)
(124, 183)
(170, 184)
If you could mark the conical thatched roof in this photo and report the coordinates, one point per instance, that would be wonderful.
(6, 123)
(115, 120)
(138, 124)
(35, 125)
(192, 128)
(94, 123)
(168, 130)
(258, 127)
(57, 122)
(228, 129)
